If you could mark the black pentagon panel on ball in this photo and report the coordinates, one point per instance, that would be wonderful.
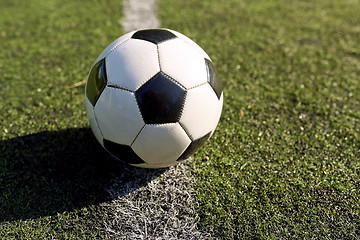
(122, 152)
(160, 100)
(155, 36)
(194, 146)
(96, 81)
(213, 78)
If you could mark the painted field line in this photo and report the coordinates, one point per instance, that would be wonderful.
(164, 208)
(139, 14)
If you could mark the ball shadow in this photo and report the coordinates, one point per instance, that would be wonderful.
(55, 171)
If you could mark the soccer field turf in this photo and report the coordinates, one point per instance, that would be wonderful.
(283, 163)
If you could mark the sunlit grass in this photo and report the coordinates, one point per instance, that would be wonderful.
(284, 161)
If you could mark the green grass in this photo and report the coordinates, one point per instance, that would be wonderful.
(285, 159)
(49, 192)
(48, 45)
(283, 163)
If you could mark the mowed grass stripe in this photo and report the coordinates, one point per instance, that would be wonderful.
(284, 161)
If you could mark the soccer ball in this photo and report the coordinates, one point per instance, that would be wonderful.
(153, 98)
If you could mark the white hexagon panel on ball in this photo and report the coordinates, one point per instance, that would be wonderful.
(200, 111)
(118, 115)
(160, 145)
(117, 42)
(180, 61)
(131, 64)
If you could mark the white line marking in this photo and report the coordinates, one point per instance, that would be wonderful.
(164, 207)
(139, 14)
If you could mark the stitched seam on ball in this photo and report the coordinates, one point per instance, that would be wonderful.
(111, 50)
(182, 107)
(158, 53)
(172, 79)
(113, 85)
(187, 133)
(158, 57)
(137, 135)
(98, 126)
(143, 82)
(198, 85)
(162, 124)
(139, 111)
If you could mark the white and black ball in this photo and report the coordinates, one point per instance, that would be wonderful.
(153, 98)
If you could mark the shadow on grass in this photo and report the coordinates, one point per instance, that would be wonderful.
(55, 171)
